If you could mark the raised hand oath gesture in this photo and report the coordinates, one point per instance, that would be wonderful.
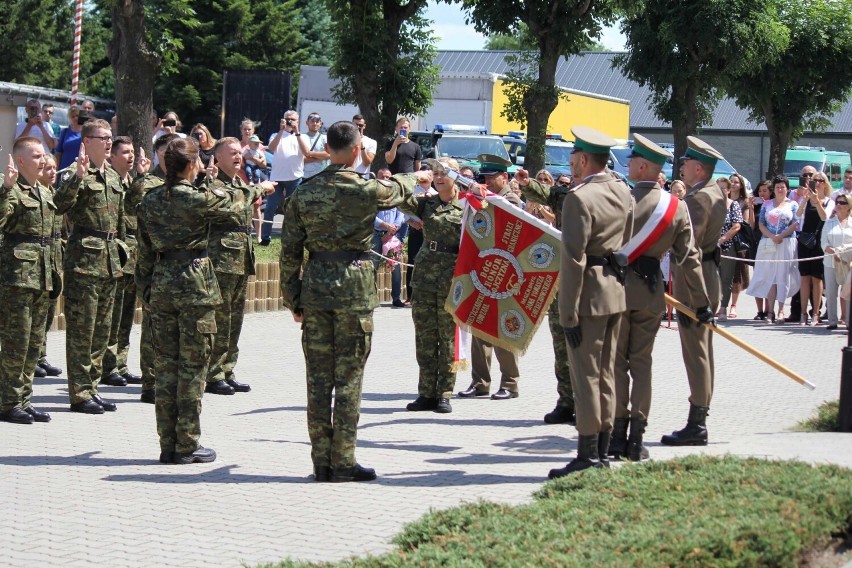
(144, 164)
(82, 162)
(212, 170)
(522, 176)
(11, 174)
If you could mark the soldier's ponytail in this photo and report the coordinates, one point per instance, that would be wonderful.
(180, 153)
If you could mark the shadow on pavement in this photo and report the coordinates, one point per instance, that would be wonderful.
(87, 459)
(219, 475)
(429, 418)
(451, 477)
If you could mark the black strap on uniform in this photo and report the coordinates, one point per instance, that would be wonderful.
(230, 229)
(435, 246)
(339, 255)
(87, 232)
(715, 256)
(611, 261)
(18, 238)
(182, 254)
(648, 269)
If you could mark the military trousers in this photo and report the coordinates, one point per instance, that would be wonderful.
(480, 356)
(560, 357)
(183, 338)
(146, 353)
(696, 341)
(124, 308)
(592, 365)
(435, 343)
(229, 324)
(336, 344)
(48, 322)
(88, 316)
(21, 334)
(633, 362)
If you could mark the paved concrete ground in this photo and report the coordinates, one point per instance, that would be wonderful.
(85, 490)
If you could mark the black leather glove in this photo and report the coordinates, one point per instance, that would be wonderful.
(705, 315)
(573, 335)
(683, 320)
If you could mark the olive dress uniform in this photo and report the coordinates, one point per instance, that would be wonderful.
(138, 189)
(232, 253)
(596, 221)
(29, 281)
(554, 196)
(434, 328)
(92, 264)
(641, 321)
(331, 216)
(175, 277)
(707, 207)
(115, 359)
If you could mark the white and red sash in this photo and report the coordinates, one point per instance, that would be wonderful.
(653, 229)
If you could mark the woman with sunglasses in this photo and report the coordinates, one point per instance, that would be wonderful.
(836, 233)
(205, 142)
(815, 206)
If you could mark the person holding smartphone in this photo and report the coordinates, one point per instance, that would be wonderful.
(169, 124)
(35, 126)
(402, 155)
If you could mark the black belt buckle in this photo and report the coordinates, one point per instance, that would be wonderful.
(433, 246)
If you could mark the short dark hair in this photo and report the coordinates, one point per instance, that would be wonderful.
(358, 117)
(342, 135)
(779, 179)
(848, 170)
(120, 141)
(163, 140)
(598, 160)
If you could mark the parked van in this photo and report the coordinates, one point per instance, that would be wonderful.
(832, 163)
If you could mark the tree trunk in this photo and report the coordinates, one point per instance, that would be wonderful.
(685, 121)
(539, 102)
(136, 67)
(779, 139)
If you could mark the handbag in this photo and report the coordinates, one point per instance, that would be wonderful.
(807, 240)
(744, 239)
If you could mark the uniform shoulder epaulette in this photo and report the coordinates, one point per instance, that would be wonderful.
(576, 187)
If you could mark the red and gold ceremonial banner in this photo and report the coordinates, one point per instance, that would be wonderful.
(506, 275)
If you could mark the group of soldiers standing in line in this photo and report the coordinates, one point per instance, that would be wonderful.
(191, 229)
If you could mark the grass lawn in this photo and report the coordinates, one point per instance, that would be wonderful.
(826, 419)
(270, 253)
(693, 511)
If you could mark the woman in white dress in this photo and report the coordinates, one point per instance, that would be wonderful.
(836, 234)
(778, 222)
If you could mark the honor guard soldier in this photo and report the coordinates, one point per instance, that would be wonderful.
(660, 223)
(495, 169)
(707, 207)
(596, 221)
(91, 197)
(331, 217)
(29, 277)
(553, 196)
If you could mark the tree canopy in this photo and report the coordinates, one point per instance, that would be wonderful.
(807, 83)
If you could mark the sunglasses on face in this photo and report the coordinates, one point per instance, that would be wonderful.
(807, 175)
(314, 119)
(841, 203)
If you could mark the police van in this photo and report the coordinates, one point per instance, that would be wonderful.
(557, 152)
(463, 142)
(830, 162)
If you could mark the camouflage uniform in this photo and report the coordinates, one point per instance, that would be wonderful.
(232, 254)
(29, 277)
(434, 328)
(331, 216)
(176, 279)
(124, 308)
(553, 196)
(60, 236)
(94, 206)
(140, 186)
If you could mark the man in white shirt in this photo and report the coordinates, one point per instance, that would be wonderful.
(317, 158)
(368, 147)
(289, 149)
(35, 126)
(847, 185)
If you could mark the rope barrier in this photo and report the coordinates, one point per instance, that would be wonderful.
(792, 260)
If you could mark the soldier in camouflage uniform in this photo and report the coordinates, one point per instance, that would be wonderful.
(176, 281)
(232, 255)
(140, 186)
(48, 179)
(27, 277)
(90, 194)
(331, 216)
(116, 373)
(553, 196)
(434, 328)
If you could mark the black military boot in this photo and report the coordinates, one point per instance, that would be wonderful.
(148, 396)
(695, 431)
(636, 451)
(618, 443)
(39, 373)
(219, 387)
(587, 457)
(237, 386)
(200, 455)
(50, 370)
(322, 473)
(443, 406)
(131, 378)
(38, 415)
(355, 473)
(422, 403)
(603, 447)
(561, 415)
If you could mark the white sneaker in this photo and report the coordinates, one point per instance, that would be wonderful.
(722, 316)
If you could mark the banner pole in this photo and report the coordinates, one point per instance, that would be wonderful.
(75, 66)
